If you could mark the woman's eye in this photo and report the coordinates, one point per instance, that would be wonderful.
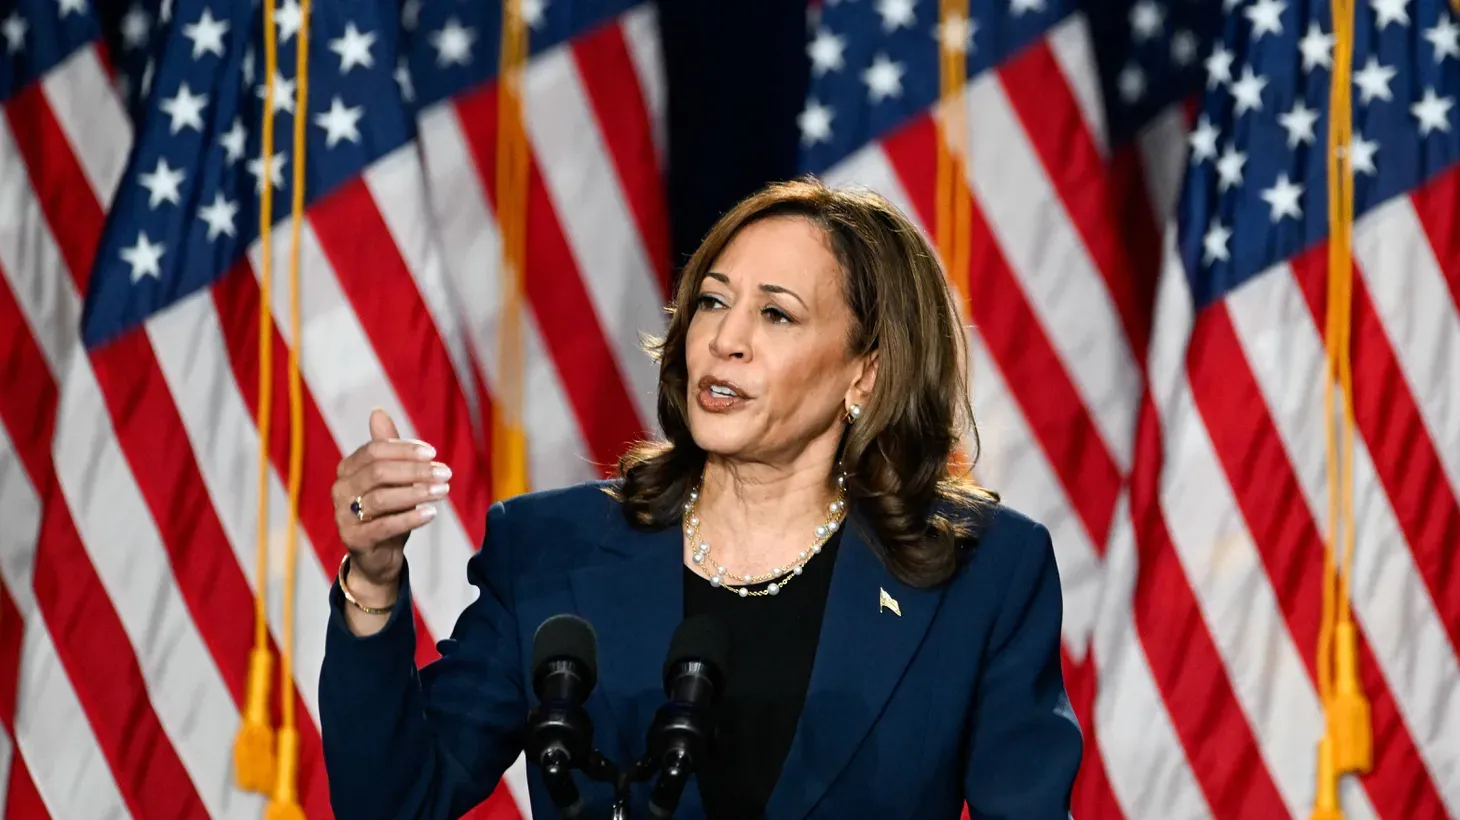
(777, 315)
(705, 300)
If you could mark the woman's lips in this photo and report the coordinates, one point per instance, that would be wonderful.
(718, 395)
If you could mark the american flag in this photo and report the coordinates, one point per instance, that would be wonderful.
(1160, 406)
(131, 163)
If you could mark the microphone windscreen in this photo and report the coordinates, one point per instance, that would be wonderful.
(701, 638)
(566, 637)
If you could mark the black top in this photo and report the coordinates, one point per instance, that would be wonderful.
(772, 644)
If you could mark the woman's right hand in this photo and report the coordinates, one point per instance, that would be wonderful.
(397, 484)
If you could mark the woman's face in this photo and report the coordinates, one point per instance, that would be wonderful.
(770, 374)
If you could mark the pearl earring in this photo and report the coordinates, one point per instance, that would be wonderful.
(853, 413)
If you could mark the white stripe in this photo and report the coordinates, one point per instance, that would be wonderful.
(596, 220)
(641, 35)
(1162, 145)
(1144, 758)
(471, 244)
(52, 732)
(1284, 349)
(1052, 266)
(1414, 302)
(193, 358)
(1073, 51)
(1233, 591)
(91, 116)
(31, 260)
(347, 381)
(7, 753)
(183, 683)
(396, 183)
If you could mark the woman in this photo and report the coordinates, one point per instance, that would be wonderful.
(894, 630)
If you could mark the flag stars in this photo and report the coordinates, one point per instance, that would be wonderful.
(283, 93)
(1183, 48)
(1373, 81)
(402, 77)
(66, 7)
(1021, 7)
(815, 123)
(410, 14)
(1299, 122)
(883, 78)
(289, 18)
(534, 13)
(1147, 19)
(145, 258)
(185, 109)
(1219, 66)
(1362, 155)
(1203, 140)
(1247, 92)
(275, 171)
(1445, 38)
(1131, 83)
(827, 52)
(1229, 168)
(453, 43)
(340, 122)
(206, 34)
(219, 215)
(233, 142)
(136, 28)
(1390, 11)
(13, 30)
(1282, 199)
(896, 14)
(955, 33)
(354, 48)
(1316, 48)
(163, 184)
(1214, 244)
(1266, 17)
(1432, 112)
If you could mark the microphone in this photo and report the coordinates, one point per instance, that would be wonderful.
(559, 733)
(694, 680)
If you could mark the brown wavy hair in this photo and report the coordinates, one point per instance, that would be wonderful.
(899, 451)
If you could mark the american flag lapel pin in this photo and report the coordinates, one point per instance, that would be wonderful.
(885, 602)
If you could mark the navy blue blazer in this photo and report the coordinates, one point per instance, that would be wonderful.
(958, 698)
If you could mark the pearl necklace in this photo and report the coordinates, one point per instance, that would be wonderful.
(779, 576)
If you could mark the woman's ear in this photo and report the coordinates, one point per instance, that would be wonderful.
(866, 379)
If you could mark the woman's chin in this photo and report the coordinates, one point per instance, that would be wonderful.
(719, 436)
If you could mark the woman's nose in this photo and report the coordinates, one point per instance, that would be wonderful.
(732, 337)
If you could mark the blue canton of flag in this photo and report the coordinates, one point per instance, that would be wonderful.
(188, 205)
(874, 64)
(1256, 190)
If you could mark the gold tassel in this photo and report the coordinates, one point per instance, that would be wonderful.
(509, 438)
(253, 749)
(1348, 712)
(285, 805)
(1325, 805)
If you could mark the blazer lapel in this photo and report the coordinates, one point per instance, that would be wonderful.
(633, 595)
(864, 648)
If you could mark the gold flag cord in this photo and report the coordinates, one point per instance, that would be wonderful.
(1347, 743)
(509, 439)
(258, 765)
(952, 212)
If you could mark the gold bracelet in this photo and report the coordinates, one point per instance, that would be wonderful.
(344, 570)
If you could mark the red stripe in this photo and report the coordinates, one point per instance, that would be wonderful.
(89, 639)
(389, 307)
(1033, 370)
(1267, 492)
(1188, 670)
(1093, 798)
(60, 185)
(1105, 199)
(611, 82)
(1435, 203)
(22, 801)
(236, 298)
(571, 331)
(1404, 455)
(210, 581)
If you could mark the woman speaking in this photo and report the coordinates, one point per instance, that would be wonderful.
(893, 631)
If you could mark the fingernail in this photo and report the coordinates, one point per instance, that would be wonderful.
(428, 511)
(437, 490)
(441, 472)
(426, 451)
